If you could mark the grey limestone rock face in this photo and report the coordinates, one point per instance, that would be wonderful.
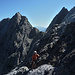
(42, 70)
(16, 37)
(18, 71)
(53, 46)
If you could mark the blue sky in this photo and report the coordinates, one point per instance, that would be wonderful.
(38, 12)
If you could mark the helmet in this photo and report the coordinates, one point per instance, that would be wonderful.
(35, 52)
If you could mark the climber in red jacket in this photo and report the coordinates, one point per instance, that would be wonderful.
(34, 59)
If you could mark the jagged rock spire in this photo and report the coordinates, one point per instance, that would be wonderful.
(70, 17)
(17, 14)
(58, 18)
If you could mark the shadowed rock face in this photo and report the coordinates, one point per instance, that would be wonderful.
(16, 36)
(70, 17)
(58, 18)
(54, 47)
(67, 64)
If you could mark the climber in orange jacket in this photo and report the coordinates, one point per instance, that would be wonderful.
(34, 59)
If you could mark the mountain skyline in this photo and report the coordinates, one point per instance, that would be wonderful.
(38, 12)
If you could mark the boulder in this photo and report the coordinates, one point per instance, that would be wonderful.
(42, 70)
(18, 71)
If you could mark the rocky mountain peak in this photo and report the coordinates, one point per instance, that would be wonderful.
(64, 8)
(58, 18)
(19, 36)
(17, 17)
(17, 14)
(73, 8)
(70, 17)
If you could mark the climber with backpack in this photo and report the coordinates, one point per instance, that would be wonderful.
(35, 56)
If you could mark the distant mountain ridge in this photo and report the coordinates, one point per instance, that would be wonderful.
(41, 28)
